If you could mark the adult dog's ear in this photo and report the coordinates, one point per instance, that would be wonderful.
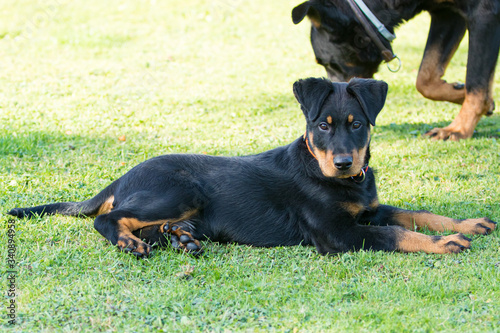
(311, 94)
(306, 8)
(370, 94)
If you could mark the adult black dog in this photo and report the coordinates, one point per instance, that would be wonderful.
(347, 44)
(316, 191)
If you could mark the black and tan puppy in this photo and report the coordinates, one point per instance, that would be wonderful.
(316, 191)
(343, 45)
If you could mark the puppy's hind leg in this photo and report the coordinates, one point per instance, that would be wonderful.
(175, 234)
(145, 218)
(119, 229)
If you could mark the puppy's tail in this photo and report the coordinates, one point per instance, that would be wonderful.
(99, 204)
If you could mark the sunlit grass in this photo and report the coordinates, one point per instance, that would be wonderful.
(216, 77)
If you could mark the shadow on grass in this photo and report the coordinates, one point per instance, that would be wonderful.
(38, 143)
(50, 145)
(488, 127)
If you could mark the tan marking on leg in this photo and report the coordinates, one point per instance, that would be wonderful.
(106, 207)
(435, 222)
(129, 242)
(329, 120)
(353, 208)
(126, 238)
(410, 241)
(350, 118)
(127, 225)
(133, 224)
(475, 105)
(429, 82)
(185, 216)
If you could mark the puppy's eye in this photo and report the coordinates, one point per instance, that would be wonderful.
(324, 126)
(356, 125)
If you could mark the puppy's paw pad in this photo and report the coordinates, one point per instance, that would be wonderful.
(181, 239)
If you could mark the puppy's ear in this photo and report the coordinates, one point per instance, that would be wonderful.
(311, 94)
(370, 94)
(305, 8)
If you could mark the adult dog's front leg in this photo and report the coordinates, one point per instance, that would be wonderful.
(446, 31)
(484, 42)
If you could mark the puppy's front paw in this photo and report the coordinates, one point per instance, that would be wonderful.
(455, 243)
(134, 246)
(482, 226)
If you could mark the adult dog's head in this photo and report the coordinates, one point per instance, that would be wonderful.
(339, 41)
(338, 117)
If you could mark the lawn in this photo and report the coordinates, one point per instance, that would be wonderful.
(89, 89)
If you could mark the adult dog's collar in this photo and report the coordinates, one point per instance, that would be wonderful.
(373, 19)
(362, 12)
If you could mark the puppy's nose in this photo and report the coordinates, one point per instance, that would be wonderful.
(342, 162)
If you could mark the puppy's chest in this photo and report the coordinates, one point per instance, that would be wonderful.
(355, 207)
(352, 202)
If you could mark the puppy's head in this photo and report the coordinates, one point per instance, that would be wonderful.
(338, 117)
(339, 42)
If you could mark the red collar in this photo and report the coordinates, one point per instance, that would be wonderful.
(362, 175)
(309, 148)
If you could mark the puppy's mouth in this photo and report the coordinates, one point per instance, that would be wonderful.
(341, 165)
(342, 174)
(340, 170)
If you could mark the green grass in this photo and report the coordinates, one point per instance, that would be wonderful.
(216, 77)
